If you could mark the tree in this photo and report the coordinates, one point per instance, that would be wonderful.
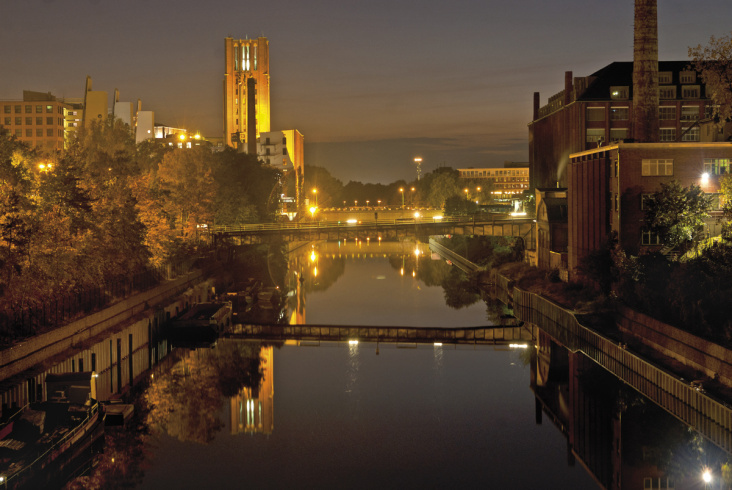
(442, 187)
(677, 213)
(714, 63)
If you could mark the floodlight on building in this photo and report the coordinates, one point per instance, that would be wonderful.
(705, 178)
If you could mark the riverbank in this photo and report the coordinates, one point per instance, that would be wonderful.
(697, 361)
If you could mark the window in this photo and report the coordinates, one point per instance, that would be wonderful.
(667, 134)
(595, 135)
(665, 77)
(690, 134)
(7, 121)
(28, 121)
(18, 133)
(49, 121)
(651, 167)
(667, 113)
(687, 77)
(644, 201)
(49, 133)
(39, 121)
(667, 92)
(717, 166)
(690, 92)
(17, 109)
(29, 133)
(619, 113)
(39, 133)
(595, 113)
(650, 238)
(619, 93)
(6, 109)
(689, 113)
(28, 109)
(710, 111)
(618, 134)
(39, 109)
(49, 108)
(18, 121)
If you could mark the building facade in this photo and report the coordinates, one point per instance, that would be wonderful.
(507, 182)
(608, 185)
(285, 151)
(246, 92)
(39, 119)
(597, 110)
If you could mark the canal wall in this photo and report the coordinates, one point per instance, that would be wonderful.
(714, 360)
(176, 295)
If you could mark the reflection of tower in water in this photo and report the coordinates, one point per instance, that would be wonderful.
(252, 410)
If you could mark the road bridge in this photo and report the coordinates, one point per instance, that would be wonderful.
(488, 335)
(384, 229)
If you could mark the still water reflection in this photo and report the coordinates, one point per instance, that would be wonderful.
(366, 415)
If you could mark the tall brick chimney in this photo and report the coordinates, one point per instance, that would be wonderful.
(645, 72)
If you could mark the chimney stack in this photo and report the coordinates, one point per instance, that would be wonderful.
(568, 89)
(645, 72)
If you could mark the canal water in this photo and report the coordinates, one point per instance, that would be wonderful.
(339, 415)
(315, 414)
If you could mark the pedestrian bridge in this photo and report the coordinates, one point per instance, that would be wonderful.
(488, 335)
(379, 229)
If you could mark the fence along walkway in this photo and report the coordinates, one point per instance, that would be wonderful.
(710, 417)
(417, 335)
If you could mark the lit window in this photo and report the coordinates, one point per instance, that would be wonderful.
(665, 77)
(653, 167)
(717, 166)
(49, 108)
(619, 93)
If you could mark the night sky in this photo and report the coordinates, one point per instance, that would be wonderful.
(370, 84)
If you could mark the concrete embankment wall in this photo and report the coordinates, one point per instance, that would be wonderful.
(171, 296)
(705, 356)
(712, 359)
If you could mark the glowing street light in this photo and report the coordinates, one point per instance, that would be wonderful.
(707, 476)
(315, 191)
(418, 161)
(401, 190)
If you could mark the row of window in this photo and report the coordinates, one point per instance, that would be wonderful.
(665, 113)
(29, 121)
(17, 109)
(50, 133)
(595, 135)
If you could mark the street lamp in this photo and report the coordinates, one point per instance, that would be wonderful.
(379, 202)
(412, 189)
(401, 190)
(315, 191)
(367, 203)
(418, 161)
(466, 193)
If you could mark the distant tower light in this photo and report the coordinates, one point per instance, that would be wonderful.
(418, 161)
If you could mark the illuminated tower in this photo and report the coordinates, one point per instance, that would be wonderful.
(246, 92)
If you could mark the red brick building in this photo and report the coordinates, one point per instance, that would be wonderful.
(597, 110)
(607, 186)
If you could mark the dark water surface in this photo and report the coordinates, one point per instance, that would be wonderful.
(386, 416)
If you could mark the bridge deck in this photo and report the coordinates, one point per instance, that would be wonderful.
(470, 335)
